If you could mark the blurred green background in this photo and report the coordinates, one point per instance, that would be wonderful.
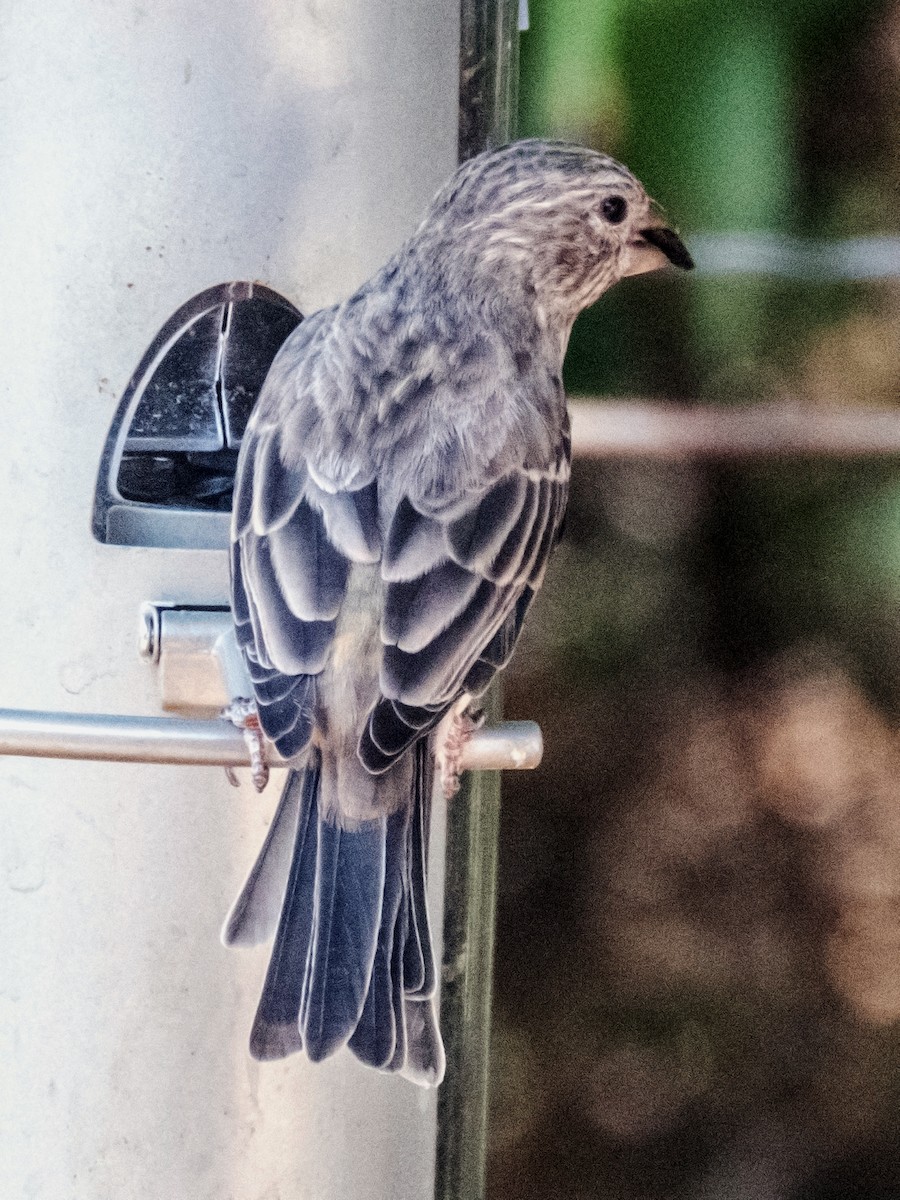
(698, 957)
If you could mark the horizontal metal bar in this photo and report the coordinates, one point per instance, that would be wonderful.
(512, 746)
(647, 429)
(509, 746)
(807, 260)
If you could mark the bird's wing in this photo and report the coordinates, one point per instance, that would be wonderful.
(458, 583)
(292, 546)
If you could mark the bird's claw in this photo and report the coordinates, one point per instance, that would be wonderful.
(456, 730)
(243, 714)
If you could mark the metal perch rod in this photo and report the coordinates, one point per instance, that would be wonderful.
(510, 746)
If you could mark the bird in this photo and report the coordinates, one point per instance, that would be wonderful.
(401, 484)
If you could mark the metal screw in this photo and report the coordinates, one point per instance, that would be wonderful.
(148, 631)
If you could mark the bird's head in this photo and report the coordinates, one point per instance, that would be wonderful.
(571, 220)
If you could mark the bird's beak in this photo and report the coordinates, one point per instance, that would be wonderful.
(655, 247)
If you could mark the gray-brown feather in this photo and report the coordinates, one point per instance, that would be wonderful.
(421, 425)
(401, 485)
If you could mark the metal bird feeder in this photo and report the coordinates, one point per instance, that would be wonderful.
(155, 153)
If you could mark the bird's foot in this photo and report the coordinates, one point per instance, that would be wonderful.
(242, 713)
(453, 734)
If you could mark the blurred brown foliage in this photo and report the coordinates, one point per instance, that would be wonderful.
(698, 954)
(700, 957)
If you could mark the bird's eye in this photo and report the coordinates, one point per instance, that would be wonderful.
(614, 209)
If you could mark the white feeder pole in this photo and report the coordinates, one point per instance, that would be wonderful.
(150, 152)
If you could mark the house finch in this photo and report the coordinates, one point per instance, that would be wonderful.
(401, 484)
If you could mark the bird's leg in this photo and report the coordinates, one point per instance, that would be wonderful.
(242, 713)
(453, 733)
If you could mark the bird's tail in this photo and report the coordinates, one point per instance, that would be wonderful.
(352, 963)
